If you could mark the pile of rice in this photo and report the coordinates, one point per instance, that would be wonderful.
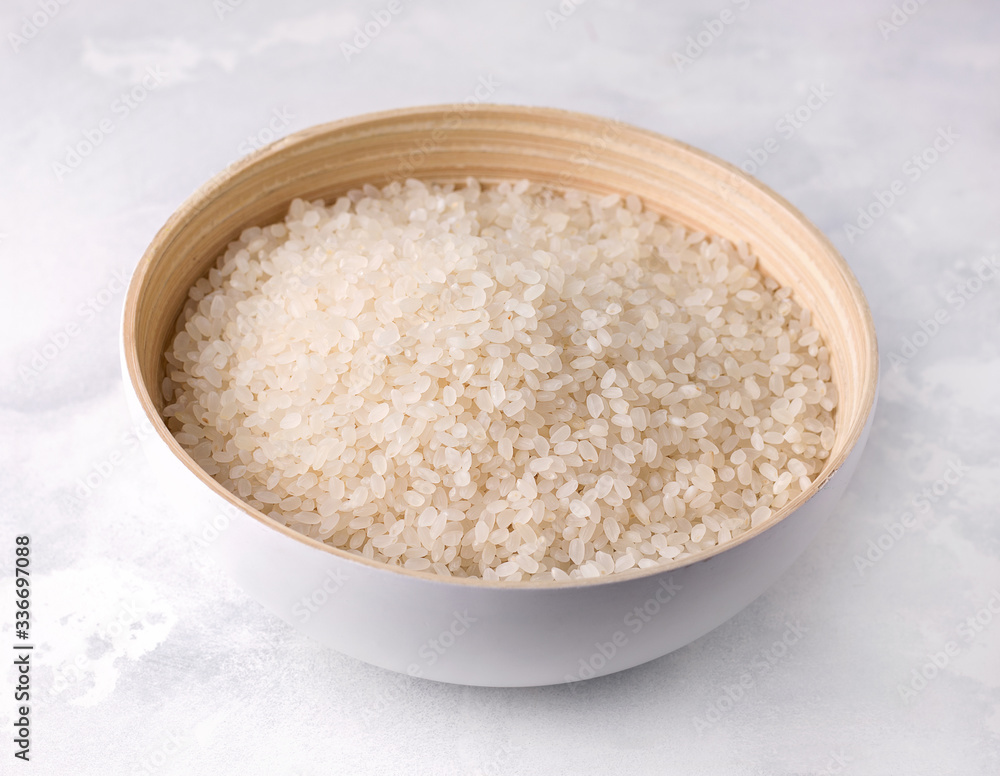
(502, 382)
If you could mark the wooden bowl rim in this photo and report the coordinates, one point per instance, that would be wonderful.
(204, 193)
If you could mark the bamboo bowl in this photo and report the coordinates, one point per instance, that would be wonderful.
(471, 631)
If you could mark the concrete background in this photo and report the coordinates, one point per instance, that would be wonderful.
(149, 661)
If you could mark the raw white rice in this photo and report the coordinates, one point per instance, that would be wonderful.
(508, 382)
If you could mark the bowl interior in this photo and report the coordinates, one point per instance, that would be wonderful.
(493, 143)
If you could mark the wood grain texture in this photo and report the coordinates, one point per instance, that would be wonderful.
(563, 149)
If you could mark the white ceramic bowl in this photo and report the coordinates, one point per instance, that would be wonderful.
(465, 630)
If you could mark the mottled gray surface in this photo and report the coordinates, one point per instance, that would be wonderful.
(148, 661)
